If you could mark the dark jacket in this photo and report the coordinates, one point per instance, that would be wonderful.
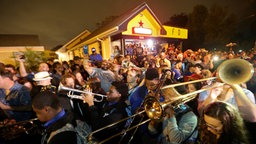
(67, 137)
(108, 114)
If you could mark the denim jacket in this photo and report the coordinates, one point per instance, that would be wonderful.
(176, 131)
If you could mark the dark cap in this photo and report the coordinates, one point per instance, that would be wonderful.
(77, 58)
(122, 88)
(199, 66)
(151, 73)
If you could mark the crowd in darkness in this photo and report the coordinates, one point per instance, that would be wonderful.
(100, 92)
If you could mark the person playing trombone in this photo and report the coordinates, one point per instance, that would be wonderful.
(58, 123)
(150, 87)
(178, 124)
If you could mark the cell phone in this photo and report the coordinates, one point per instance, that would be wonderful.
(22, 56)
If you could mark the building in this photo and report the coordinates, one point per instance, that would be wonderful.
(69, 50)
(12, 44)
(138, 26)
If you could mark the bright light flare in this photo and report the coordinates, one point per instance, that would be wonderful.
(215, 58)
(150, 43)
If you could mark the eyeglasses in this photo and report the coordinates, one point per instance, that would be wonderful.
(217, 129)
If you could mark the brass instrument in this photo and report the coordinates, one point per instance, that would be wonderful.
(51, 88)
(155, 96)
(9, 129)
(71, 93)
(235, 71)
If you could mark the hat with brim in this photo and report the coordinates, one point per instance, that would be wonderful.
(42, 76)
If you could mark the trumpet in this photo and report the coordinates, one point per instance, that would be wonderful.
(235, 71)
(72, 95)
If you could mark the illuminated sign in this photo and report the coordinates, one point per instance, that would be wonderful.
(175, 32)
(140, 30)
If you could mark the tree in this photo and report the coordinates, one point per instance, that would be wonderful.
(246, 27)
(210, 29)
(196, 30)
(33, 58)
(178, 20)
(219, 27)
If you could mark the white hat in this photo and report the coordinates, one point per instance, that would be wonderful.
(41, 76)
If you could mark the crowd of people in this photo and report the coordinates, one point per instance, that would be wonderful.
(102, 92)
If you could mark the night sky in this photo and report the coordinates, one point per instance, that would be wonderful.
(58, 21)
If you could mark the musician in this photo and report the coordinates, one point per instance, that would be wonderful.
(42, 82)
(66, 80)
(58, 123)
(75, 105)
(241, 98)
(112, 110)
(149, 88)
(179, 123)
(15, 98)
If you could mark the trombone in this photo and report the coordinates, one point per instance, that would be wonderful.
(235, 71)
(72, 95)
(14, 130)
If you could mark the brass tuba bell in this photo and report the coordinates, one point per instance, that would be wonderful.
(235, 71)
